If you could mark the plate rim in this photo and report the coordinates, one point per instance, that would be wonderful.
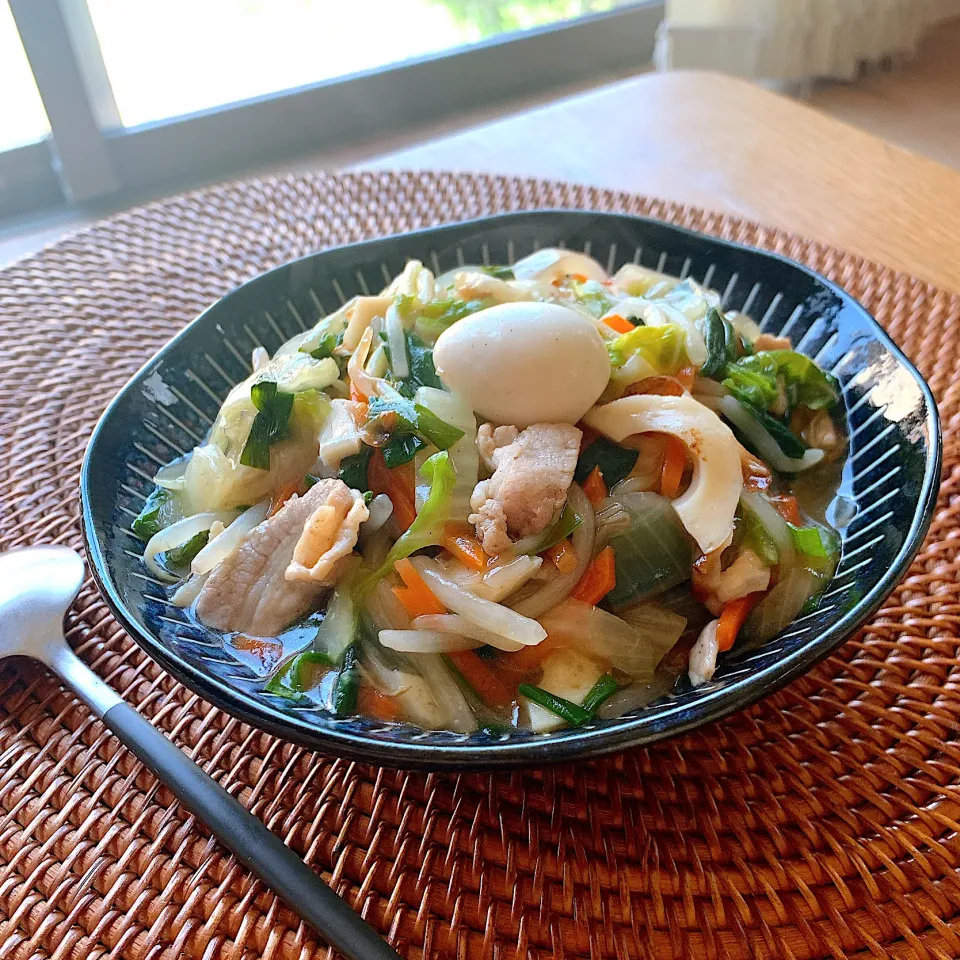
(589, 741)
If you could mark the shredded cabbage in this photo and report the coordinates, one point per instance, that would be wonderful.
(645, 352)
(428, 528)
(464, 455)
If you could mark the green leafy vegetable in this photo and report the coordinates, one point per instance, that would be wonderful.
(299, 674)
(345, 690)
(786, 440)
(734, 343)
(401, 448)
(615, 462)
(438, 316)
(594, 296)
(182, 556)
(270, 424)
(602, 690)
(501, 273)
(750, 387)
(353, 469)
(428, 527)
(808, 541)
(422, 371)
(413, 417)
(325, 346)
(661, 347)
(820, 547)
(715, 337)
(566, 523)
(755, 379)
(157, 514)
(573, 713)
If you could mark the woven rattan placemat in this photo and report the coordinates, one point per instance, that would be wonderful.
(823, 822)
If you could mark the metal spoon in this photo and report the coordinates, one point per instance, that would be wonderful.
(37, 586)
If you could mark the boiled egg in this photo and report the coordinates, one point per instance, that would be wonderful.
(524, 363)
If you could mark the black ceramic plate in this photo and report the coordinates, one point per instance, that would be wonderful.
(891, 475)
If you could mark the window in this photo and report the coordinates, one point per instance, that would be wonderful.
(205, 55)
(176, 91)
(22, 118)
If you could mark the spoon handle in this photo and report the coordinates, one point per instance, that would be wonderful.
(261, 851)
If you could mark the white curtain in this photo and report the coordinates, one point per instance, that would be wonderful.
(793, 40)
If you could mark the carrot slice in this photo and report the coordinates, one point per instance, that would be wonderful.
(563, 555)
(674, 463)
(284, 493)
(732, 618)
(618, 323)
(483, 679)
(459, 539)
(398, 485)
(788, 508)
(380, 706)
(525, 661)
(598, 579)
(686, 376)
(594, 487)
(418, 599)
(662, 386)
(356, 394)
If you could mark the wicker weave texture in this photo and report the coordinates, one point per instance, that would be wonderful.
(823, 822)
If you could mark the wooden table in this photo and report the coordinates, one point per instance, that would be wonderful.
(727, 145)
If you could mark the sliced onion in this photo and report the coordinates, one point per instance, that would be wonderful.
(744, 325)
(397, 343)
(597, 633)
(775, 526)
(635, 696)
(188, 591)
(708, 387)
(452, 623)
(709, 401)
(384, 609)
(386, 679)
(500, 581)
(426, 641)
(447, 278)
(381, 509)
(657, 625)
(378, 365)
(176, 535)
(457, 713)
(583, 538)
(781, 605)
(259, 358)
(766, 446)
(173, 475)
(492, 616)
(228, 541)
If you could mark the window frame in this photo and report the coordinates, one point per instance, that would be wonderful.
(93, 157)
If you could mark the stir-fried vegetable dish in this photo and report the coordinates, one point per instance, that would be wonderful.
(499, 498)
